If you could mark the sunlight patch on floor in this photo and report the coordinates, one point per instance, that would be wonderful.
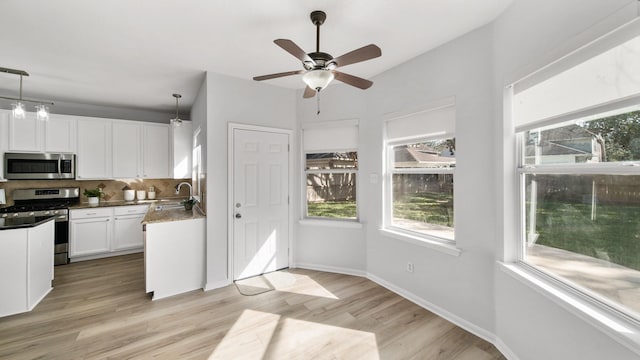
(252, 333)
(262, 335)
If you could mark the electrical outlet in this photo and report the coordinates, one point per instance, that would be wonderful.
(409, 267)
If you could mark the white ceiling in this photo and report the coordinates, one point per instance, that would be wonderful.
(137, 53)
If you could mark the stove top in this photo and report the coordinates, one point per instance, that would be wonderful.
(38, 200)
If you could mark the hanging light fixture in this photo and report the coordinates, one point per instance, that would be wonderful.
(18, 108)
(177, 121)
(318, 79)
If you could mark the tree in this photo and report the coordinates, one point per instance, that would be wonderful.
(621, 134)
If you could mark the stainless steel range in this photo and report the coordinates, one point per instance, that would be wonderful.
(38, 203)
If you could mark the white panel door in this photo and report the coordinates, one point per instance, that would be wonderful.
(89, 236)
(126, 149)
(60, 134)
(260, 202)
(25, 134)
(4, 139)
(94, 149)
(127, 232)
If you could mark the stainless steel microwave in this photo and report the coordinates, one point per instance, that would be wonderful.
(25, 166)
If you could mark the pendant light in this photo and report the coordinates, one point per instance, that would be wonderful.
(18, 109)
(176, 122)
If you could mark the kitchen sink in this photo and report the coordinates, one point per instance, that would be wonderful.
(169, 206)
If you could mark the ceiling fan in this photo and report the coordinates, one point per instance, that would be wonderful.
(319, 67)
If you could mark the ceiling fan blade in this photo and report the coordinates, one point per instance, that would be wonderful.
(353, 80)
(364, 53)
(273, 76)
(293, 49)
(308, 93)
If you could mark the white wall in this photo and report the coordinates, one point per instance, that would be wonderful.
(529, 35)
(462, 286)
(238, 101)
(335, 248)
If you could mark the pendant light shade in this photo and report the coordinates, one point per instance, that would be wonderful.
(42, 112)
(18, 110)
(318, 79)
(176, 121)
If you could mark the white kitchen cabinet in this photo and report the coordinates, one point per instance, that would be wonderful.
(93, 159)
(60, 134)
(155, 151)
(174, 257)
(4, 139)
(140, 150)
(90, 231)
(182, 150)
(25, 134)
(127, 136)
(26, 267)
(128, 227)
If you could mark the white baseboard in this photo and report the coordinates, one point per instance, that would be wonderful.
(216, 285)
(333, 269)
(505, 350)
(466, 325)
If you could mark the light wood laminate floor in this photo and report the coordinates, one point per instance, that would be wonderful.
(98, 310)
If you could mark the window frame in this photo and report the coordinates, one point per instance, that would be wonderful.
(390, 170)
(606, 168)
(305, 172)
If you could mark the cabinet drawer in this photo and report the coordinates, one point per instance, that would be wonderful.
(90, 213)
(131, 210)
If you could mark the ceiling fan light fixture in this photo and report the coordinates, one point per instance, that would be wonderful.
(318, 79)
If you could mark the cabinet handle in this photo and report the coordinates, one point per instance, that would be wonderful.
(91, 213)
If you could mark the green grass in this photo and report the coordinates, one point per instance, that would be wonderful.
(332, 209)
(432, 208)
(615, 231)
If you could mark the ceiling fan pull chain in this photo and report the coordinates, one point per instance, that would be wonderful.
(318, 99)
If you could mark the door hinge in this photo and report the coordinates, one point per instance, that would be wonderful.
(288, 148)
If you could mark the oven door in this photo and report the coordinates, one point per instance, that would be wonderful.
(21, 166)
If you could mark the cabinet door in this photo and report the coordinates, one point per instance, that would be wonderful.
(127, 232)
(89, 237)
(182, 145)
(126, 150)
(155, 151)
(60, 134)
(25, 134)
(94, 149)
(4, 139)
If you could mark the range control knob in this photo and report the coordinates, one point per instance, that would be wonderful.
(31, 213)
(16, 215)
(47, 212)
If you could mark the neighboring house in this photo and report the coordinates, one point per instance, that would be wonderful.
(423, 156)
(565, 145)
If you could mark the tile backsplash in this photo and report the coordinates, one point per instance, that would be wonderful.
(113, 189)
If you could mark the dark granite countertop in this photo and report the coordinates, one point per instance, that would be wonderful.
(125, 203)
(23, 222)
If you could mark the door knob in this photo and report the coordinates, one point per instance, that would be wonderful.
(238, 216)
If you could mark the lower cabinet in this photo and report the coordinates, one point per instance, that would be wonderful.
(105, 231)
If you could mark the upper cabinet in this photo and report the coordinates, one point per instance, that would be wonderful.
(93, 158)
(4, 139)
(127, 136)
(60, 134)
(155, 151)
(140, 150)
(182, 149)
(25, 134)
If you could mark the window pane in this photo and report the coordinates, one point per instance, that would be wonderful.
(428, 154)
(586, 228)
(606, 139)
(336, 160)
(331, 195)
(424, 203)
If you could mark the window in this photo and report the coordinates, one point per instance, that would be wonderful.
(331, 184)
(330, 169)
(420, 164)
(422, 187)
(578, 136)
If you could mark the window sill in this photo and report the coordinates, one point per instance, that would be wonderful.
(424, 242)
(622, 330)
(346, 224)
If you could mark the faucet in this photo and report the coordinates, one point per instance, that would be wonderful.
(190, 189)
